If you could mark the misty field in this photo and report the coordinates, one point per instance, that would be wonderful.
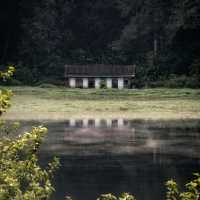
(59, 103)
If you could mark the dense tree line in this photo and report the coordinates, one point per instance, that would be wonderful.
(161, 37)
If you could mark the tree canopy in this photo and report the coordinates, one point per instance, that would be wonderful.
(161, 37)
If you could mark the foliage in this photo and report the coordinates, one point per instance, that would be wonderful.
(47, 85)
(51, 81)
(174, 82)
(68, 198)
(5, 96)
(21, 177)
(8, 73)
(172, 190)
(192, 190)
(103, 84)
(107, 197)
(163, 36)
(182, 81)
(14, 82)
(7, 128)
(124, 196)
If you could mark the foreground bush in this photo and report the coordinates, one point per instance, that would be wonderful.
(192, 192)
(124, 196)
(21, 177)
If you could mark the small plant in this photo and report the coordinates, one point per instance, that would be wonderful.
(107, 197)
(103, 84)
(192, 190)
(124, 196)
(68, 198)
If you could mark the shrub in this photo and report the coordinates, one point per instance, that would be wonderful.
(156, 84)
(47, 85)
(193, 82)
(26, 75)
(103, 84)
(124, 196)
(182, 81)
(21, 177)
(12, 82)
(52, 81)
(192, 190)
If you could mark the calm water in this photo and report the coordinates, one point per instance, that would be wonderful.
(101, 156)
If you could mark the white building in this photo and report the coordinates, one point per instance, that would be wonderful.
(99, 76)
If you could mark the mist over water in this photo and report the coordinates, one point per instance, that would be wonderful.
(120, 155)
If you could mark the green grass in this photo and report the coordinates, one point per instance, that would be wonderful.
(33, 103)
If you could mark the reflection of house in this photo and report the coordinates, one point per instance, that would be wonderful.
(97, 76)
(98, 123)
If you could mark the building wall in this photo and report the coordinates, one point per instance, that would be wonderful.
(96, 82)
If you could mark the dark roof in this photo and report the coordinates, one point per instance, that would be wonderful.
(98, 70)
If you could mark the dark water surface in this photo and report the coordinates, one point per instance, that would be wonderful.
(103, 156)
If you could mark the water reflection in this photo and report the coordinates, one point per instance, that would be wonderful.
(120, 136)
(96, 123)
(121, 155)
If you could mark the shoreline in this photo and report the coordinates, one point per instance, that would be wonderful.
(33, 103)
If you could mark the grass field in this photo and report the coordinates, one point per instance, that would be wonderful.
(34, 103)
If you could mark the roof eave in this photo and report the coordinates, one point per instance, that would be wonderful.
(96, 76)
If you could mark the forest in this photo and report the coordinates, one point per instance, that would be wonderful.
(160, 37)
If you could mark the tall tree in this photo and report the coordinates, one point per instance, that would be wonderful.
(46, 37)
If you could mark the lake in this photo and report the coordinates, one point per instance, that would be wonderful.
(120, 155)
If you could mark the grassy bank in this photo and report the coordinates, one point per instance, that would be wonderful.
(33, 103)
